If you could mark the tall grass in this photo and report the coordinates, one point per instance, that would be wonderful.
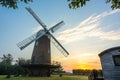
(46, 78)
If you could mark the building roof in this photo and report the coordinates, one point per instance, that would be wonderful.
(108, 50)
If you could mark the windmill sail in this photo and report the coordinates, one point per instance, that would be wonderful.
(57, 26)
(30, 39)
(36, 17)
(59, 46)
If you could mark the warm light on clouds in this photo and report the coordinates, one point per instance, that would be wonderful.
(90, 27)
(79, 61)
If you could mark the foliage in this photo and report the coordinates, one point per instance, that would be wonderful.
(18, 69)
(72, 3)
(12, 3)
(6, 64)
(115, 3)
(81, 72)
(77, 3)
(7, 59)
(7, 67)
(80, 3)
(58, 70)
(22, 61)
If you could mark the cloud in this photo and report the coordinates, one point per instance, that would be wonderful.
(36, 29)
(90, 27)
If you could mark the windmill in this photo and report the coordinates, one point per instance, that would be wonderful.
(41, 56)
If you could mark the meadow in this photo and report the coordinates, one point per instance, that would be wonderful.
(53, 77)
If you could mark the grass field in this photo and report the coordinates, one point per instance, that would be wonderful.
(46, 78)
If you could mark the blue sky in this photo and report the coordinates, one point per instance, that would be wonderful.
(87, 32)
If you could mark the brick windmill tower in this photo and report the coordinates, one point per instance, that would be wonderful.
(41, 56)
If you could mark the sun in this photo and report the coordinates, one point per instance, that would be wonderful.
(83, 66)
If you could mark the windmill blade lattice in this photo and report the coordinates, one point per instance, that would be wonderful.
(36, 17)
(57, 26)
(30, 39)
(59, 46)
(26, 42)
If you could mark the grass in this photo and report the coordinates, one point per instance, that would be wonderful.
(46, 78)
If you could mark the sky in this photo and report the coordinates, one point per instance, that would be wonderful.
(87, 31)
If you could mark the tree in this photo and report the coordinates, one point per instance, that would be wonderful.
(58, 70)
(18, 69)
(12, 3)
(72, 3)
(6, 64)
(77, 3)
(7, 59)
(80, 3)
(22, 61)
(7, 68)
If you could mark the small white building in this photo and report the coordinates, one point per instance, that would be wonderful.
(110, 61)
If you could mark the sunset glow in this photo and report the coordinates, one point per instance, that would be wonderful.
(83, 66)
(87, 31)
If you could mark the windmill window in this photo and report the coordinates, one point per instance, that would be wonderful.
(116, 60)
(36, 43)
